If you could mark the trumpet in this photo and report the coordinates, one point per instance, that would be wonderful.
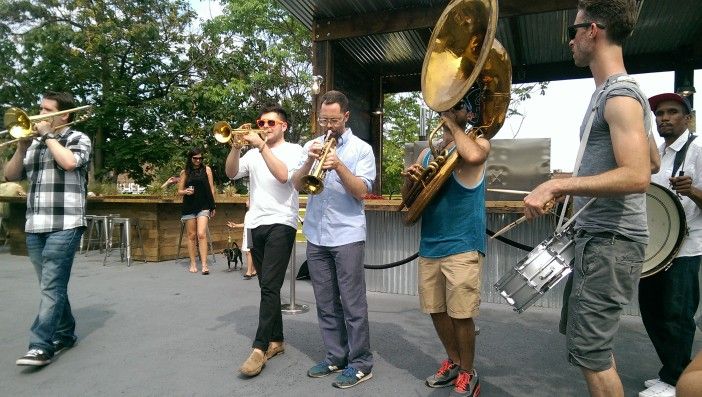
(20, 125)
(313, 183)
(223, 133)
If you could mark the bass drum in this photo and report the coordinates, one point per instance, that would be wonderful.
(666, 227)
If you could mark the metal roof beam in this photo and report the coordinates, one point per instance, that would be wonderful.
(417, 18)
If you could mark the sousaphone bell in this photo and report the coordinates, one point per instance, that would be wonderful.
(462, 53)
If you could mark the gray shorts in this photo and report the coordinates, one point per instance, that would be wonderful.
(605, 273)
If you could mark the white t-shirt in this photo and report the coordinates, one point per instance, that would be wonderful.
(271, 202)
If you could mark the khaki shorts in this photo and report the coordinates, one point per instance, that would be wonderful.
(451, 284)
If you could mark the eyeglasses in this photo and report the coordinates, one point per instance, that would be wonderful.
(198, 158)
(329, 122)
(573, 29)
(271, 123)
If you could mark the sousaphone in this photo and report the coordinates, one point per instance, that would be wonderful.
(462, 53)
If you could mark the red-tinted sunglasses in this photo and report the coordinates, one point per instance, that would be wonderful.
(271, 123)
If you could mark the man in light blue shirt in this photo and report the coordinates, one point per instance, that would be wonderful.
(335, 227)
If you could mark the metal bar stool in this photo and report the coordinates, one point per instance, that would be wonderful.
(209, 241)
(125, 243)
(99, 224)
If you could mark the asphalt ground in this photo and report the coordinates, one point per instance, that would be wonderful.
(156, 330)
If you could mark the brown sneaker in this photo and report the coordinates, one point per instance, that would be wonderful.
(274, 351)
(254, 364)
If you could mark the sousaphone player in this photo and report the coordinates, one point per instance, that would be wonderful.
(447, 183)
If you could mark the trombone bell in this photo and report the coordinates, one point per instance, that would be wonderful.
(20, 125)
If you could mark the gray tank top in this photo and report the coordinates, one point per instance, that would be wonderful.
(624, 215)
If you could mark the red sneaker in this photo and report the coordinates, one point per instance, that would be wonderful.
(467, 384)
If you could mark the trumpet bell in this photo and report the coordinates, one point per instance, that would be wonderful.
(222, 131)
(312, 184)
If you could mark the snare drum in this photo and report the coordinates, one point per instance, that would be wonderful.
(666, 226)
(546, 265)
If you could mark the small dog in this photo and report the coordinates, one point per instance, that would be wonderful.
(233, 254)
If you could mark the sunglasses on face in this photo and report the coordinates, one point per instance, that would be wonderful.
(271, 123)
(197, 158)
(573, 29)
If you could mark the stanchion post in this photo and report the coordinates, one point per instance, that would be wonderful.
(293, 308)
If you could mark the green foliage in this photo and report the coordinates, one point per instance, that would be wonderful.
(400, 126)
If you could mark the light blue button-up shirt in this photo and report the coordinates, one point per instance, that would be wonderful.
(334, 217)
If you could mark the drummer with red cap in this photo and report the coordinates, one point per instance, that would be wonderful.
(668, 299)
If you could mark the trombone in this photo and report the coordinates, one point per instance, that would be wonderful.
(223, 133)
(20, 125)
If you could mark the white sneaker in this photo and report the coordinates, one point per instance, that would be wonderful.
(651, 382)
(660, 389)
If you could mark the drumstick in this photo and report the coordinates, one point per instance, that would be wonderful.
(547, 207)
(508, 191)
(508, 227)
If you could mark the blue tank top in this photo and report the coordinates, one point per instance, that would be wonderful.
(454, 220)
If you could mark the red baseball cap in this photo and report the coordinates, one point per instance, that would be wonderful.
(656, 100)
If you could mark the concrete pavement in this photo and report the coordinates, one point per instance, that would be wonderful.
(156, 330)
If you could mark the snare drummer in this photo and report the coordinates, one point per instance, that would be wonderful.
(668, 299)
(612, 232)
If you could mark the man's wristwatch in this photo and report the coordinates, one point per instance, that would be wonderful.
(49, 135)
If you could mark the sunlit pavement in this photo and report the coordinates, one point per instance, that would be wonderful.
(156, 330)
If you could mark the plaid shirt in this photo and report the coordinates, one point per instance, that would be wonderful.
(56, 198)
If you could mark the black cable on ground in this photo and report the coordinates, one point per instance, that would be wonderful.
(416, 254)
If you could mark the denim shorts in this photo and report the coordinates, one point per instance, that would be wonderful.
(606, 271)
(195, 215)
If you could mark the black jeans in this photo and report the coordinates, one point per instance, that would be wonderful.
(271, 248)
(668, 301)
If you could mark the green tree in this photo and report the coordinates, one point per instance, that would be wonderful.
(123, 56)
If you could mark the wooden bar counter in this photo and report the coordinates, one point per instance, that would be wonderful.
(159, 218)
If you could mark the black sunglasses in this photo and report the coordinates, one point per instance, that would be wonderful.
(197, 158)
(573, 29)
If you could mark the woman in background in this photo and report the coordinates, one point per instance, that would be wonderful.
(196, 185)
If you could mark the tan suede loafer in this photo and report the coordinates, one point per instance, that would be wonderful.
(254, 364)
(274, 351)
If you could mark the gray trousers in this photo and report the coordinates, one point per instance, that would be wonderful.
(339, 287)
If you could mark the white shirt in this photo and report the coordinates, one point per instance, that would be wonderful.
(692, 166)
(271, 202)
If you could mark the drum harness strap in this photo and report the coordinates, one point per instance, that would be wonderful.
(680, 156)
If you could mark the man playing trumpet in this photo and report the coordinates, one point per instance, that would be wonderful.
(271, 222)
(56, 165)
(335, 227)
(452, 248)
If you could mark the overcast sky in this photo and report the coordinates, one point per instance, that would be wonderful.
(556, 115)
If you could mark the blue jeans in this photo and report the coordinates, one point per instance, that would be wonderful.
(52, 255)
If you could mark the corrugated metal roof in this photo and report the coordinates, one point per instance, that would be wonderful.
(537, 43)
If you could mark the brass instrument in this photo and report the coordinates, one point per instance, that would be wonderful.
(462, 51)
(20, 125)
(313, 183)
(223, 133)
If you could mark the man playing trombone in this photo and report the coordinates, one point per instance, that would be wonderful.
(452, 248)
(271, 222)
(55, 161)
